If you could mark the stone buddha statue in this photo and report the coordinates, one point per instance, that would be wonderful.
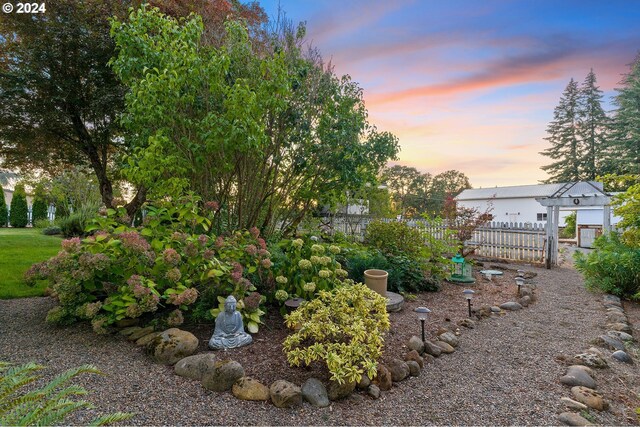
(229, 331)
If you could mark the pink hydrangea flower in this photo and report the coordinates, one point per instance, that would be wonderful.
(71, 245)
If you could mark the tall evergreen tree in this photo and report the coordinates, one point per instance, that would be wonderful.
(625, 129)
(4, 213)
(592, 129)
(19, 215)
(564, 138)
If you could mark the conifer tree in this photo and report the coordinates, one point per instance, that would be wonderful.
(564, 138)
(39, 209)
(19, 215)
(625, 129)
(3, 209)
(592, 129)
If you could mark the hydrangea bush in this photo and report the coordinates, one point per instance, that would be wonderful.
(305, 268)
(169, 268)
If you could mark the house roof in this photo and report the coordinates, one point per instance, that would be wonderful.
(537, 190)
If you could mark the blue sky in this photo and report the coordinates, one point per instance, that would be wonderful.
(466, 84)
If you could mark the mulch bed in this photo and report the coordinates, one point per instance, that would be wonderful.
(265, 360)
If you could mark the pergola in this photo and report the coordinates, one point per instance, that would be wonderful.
(571, 195)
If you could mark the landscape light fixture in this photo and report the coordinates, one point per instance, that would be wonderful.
(422, 315)
(519, 282)
(468, 294)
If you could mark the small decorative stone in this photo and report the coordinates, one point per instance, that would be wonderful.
(285, 394)
(449, 338)
(611, 298)
(315, 392)
(525, 301)
(467, 323)
(172, 345)
(247, 388)
(399, 370)
(511, 306)
(229, 331)
(142, 342)
(484, 311)
(337, 391)
(364, 382)
(383, 378)
(374, 391)
(591, 360)
(415, 357)
(194, 367)
(414, 368)
(495, 309)
(223, 375)
(577, 377)
(416, 344)
(616, 317)
(610, 342)
(140, 333)
(526, 291)
(129, 330)
(596, 351)
(126, 323)
(622, 356)
(573, 419)
(589, 397)
(446, 348)
(572, 404)
(432, 349)
(620, 335)
(428, 359)
(621, 327)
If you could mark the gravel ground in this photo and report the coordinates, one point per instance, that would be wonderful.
(504, 372)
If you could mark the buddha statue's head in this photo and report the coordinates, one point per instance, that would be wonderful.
(230, 304)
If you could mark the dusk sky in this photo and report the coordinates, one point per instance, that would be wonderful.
(471, 85)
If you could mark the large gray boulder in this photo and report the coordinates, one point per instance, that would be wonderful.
(315, 393)
(172, 345)
(399, 370)
(195, 366)
(223, 375)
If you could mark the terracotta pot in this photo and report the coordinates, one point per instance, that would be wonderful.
(376, 280)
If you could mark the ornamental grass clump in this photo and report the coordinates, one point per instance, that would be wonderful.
(344, 328)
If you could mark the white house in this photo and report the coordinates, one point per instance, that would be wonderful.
(518, 203)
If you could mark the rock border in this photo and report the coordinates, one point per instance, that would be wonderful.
(579, 376)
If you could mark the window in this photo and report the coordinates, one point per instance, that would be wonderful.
(541, 217)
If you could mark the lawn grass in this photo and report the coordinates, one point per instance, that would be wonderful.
(19, 248)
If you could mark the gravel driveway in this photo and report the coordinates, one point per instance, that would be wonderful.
(505, 371)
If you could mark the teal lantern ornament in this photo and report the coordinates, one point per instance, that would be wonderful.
(461, 270)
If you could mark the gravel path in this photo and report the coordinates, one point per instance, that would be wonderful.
(505, 371)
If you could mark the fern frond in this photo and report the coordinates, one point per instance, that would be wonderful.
(68, 375)
(59, 412)
(111, 418)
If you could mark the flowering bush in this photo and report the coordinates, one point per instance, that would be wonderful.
(168, 268)
(305, 268)
(343, 327)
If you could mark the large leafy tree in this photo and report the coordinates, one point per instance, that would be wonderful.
(59, 99)
(625, 135)
(266, 133)
(592, 129)
(564, 138)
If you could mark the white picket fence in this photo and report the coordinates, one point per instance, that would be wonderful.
(51, 214)
(501, 240)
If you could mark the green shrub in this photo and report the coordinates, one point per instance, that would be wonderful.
(394, 238)
(613, 267)
(166, 270)
(73, 225)
(47, 405)
(344, 328)
(41, 223)
(19, 215)
(52, 230)
(569, 231)
(39, 210)
(4, 212)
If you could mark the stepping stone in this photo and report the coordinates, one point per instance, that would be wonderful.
(589, 397)
(573, 419)
(622, 356)
(511, 306)
(609, 342)
(576, 376)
